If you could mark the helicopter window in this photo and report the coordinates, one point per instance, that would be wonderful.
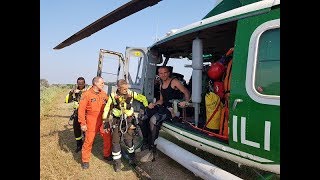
(267, 80)
(111, 68)
(263, 67)
(135, 67)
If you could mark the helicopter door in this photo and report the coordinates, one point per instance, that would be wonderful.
(110, 68)
(255, 102)
(135, 70)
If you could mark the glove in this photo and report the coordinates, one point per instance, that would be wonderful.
(106, 126)
(128, 102)
(128, 99)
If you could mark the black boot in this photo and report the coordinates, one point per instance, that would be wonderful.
(132, 158)
(117, 165)
(85, 165)
(154, 152)
(79, 145)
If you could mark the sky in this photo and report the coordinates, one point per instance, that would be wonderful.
(60, 19)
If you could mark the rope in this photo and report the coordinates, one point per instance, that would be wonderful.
(205, 131)
(123, 118)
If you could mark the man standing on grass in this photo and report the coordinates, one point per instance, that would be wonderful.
(74, 96)
(123, 120)
(92, 103)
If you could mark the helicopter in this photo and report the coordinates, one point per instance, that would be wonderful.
(240, 40)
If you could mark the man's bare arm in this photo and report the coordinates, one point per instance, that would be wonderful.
(176, 83)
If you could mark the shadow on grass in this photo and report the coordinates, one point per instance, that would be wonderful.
(67, 143)
(59, 116)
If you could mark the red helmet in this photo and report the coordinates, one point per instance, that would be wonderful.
(216, 71)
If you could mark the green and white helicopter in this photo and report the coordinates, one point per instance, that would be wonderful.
(243, 36)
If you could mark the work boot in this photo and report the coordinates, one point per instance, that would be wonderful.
(132, 158)
(117, 165)
(79, 145)
(154, 152)
(85, 165)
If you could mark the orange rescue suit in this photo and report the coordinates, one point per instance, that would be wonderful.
(90, 111)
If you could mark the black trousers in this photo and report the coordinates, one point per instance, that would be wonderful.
(116, 134)
(150, 131)
(144, 124)
(77, 128)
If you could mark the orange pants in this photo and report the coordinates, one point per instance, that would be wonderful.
(87, 145)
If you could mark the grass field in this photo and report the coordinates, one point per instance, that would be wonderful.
(57, 157)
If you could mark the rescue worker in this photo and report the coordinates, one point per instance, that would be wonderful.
(74, 96)
(160, 111)
(92, 103)
(123, 122)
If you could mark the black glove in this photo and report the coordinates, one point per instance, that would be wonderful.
(72, 117)
(128, 99)
(128, 102)
(106, 125)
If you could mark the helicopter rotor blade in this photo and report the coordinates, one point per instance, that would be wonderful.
(112, 17)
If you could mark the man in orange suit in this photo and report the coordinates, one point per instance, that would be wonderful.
(90, 111)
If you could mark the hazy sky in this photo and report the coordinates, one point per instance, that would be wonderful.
(59, 19)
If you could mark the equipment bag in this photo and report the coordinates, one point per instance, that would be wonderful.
(213, 111)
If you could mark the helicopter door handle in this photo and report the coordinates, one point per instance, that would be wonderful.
(235, 102)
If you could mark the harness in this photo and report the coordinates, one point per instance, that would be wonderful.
(121, 105)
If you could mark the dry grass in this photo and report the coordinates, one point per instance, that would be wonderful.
(57, 157)
(59, 161)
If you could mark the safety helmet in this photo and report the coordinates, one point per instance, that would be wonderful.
(216, 71)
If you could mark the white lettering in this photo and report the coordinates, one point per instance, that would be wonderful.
(267, 132)
(267, 127)
(243, 135)
(234, 128)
